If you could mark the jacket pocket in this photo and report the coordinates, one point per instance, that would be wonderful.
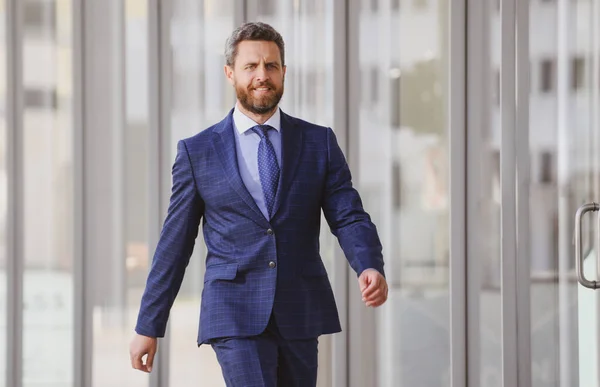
(226, 271)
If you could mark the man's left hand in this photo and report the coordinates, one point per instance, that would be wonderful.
(373, 287)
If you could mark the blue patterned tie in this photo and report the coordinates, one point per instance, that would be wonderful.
(268, 168)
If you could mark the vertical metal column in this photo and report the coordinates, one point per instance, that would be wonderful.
(361, 326)
(159, 184)
(458, 190)
(15, 204)
(103, 184)
(83, 323)
(341, 112)
(523, 264)
(508, 183)
(478, 123)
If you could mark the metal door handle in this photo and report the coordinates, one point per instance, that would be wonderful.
(579, 245)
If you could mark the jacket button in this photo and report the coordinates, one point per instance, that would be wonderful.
(270, 232)
(272, 265)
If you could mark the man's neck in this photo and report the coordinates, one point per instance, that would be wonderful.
(258, 118)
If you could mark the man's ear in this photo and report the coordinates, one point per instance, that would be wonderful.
(229, 73)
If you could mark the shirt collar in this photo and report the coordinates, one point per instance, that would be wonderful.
(243, 123)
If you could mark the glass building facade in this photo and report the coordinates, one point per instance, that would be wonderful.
(472, 129)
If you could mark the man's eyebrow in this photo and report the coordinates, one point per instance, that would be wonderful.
(254, 63)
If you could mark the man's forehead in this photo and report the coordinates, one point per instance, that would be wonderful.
(259, 49)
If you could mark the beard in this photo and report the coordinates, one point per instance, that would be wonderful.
(259, 105)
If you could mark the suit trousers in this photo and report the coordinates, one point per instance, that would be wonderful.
(267, 360)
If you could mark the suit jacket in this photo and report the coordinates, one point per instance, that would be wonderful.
(256, 267)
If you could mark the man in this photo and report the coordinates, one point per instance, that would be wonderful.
(259, 180)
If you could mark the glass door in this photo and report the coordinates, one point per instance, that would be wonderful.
(564, 184)
(578, 98)
(533, 188)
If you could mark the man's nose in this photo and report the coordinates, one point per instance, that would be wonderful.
(261, 73)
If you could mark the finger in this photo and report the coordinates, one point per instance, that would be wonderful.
(378, 297)
(375, 295)
(382, 289)
(150, 360)
(373, 286)
(362, 283)
(376, 301)
(136, 362)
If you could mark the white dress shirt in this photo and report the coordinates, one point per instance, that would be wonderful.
(246, 143)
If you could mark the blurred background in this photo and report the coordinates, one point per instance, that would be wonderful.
(95, 94)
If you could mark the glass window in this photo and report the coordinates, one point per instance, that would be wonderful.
(565, 135)
(578, 73)
(307, 29)
(374, 83)
(267, 7)
(39, 98)
(487, 242)
(3, 194)
(547, 168)
(496, 89)
(48, 196)
(374, 5)
(562, 175)
(121, 167)
(202, 97)
(39, 17)
(402, 175)
(547, 75)
(420, 4)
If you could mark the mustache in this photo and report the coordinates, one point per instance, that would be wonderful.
(263, 84)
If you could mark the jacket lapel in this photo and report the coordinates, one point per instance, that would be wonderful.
(224, 145)
(291, 147)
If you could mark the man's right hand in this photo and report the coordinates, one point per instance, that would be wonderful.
(139, 347)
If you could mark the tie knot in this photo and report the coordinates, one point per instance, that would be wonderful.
(262, 130)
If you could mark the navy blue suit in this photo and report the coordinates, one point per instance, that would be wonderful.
(258, 270)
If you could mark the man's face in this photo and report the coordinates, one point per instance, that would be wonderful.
(257, 75)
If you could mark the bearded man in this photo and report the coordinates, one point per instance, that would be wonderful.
(259, 180)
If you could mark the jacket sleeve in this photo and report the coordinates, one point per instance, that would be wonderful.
(173, 250)
(343, 210)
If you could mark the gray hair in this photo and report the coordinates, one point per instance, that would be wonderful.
(252, 31)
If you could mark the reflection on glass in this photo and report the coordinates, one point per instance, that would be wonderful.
(403, 177)
(3, 194)
(124, 273)
(565, 171)
(48, 194)
(585, 169)
(544, 239)
(201, 97)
